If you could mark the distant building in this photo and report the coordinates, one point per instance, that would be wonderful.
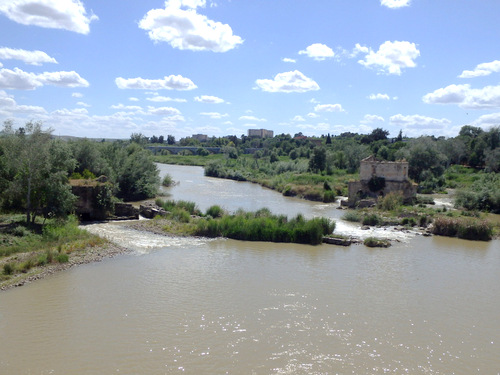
(200, 137)
(377, 179)
(260, 133)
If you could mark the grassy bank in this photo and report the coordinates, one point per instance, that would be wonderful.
(439, 221)
(26, 251)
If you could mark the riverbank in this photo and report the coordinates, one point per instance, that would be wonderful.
(32, 252)
(83, 256)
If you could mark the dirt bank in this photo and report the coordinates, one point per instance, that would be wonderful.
(87, 255)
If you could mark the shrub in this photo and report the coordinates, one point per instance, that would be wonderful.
(264, 226)
(167, 180)
(8, 269)
(63, 258)
(465, 228)
(376, 242)
(329, 196)
(215, 211)
(352, 216)
(410, 221)
(391, 201)
(372, 219)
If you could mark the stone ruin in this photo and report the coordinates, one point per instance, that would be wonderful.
(379, 178)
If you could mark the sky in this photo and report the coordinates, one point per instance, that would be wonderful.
(109, 68)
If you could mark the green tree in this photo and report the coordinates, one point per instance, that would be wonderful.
(317, 162)
(37, 167)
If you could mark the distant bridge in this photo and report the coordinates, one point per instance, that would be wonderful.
(177, 149)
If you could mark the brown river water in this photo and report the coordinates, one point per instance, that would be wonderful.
(426, 305)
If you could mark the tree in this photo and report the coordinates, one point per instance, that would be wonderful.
(37, 167)
(170, 139)
(161, 139)
(424, 158)
(317, 162)
(379, 134)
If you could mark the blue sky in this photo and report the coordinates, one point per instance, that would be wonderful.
(111, 68)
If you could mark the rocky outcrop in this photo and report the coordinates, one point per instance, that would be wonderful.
(126, 211)
(150, 209)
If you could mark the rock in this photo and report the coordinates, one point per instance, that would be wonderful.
(150, 209)
(126, 211)
(337, 241)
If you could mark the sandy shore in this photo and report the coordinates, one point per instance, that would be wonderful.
(88, 255)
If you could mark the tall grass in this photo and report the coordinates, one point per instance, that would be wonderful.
(465, 228)
(264, 226)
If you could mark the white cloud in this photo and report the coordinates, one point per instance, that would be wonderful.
(321, 127)
(391, 57)
(329, 108)
(318, 51)
(160, 99)
(122, 107)
(481, 70)
(466, 97)
(419, 122)
(313, 115)
(9, 107)
(288, 60)
(133, 99)
(252, 118)
(208, 99)
(395, 3)
(379, 97)
(368, 119)
(164, 111)
(288, 82)
(77, 95)
(185, 29)
(20, 80)
(214, 115)
(487, 121)
(172, 82)
(83, 104)
(55, 14)
(29, 57)
(298, 119)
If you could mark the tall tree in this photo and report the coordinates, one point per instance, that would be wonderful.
(37, 168)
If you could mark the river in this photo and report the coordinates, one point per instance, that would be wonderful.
(197, 306)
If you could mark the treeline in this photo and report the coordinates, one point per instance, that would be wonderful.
(35, 168)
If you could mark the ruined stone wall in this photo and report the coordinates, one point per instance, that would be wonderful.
(391, 171)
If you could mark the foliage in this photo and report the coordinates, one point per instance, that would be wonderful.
(466, 228)
(263, 226)
(372, 219)
(376, 242)
(483, 195)
(352, 216)
(167, 180)
(391, 201)
(35, 172)
(215, 211)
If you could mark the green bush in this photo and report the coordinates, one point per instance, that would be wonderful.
(391, 201)
(465, 228)
(329, 196)
(264, 226)
(8, 269)
(215, 211)
(372, 220)
(376, 242)
(352, 216)
(167, 180)
(63, 258)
